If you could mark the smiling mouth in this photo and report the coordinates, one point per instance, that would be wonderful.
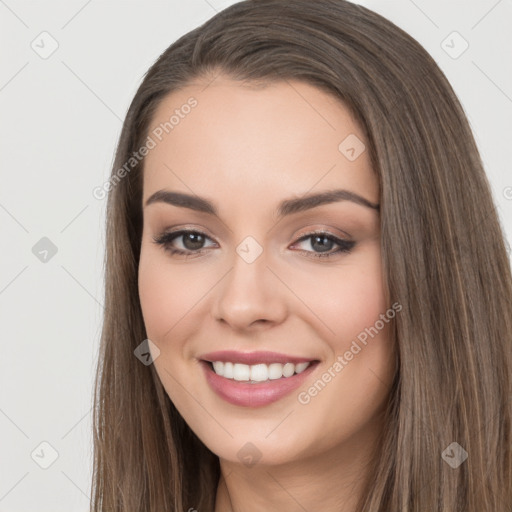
(257, 373)
(255, 379)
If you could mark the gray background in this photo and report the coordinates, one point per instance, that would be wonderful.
(61, 117)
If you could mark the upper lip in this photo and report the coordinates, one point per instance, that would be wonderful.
(251, 358)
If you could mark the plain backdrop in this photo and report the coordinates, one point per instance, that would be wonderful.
(69, 71)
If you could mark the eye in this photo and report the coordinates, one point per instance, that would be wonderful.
(324, 242)
(191, 240)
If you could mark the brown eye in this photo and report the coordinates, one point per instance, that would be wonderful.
(191, 241)
(323, 242)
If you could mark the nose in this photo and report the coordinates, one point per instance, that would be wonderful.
(250, 295)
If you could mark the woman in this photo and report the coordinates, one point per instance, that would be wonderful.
(308, 297)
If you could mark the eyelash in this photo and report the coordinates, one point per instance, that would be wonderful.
(165, 240)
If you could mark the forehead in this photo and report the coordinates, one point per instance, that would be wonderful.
(230, 140)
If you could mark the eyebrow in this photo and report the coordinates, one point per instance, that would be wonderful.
(286, 207)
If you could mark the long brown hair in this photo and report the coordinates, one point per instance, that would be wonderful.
(443, 256)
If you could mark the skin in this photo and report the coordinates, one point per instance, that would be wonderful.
(246, 149)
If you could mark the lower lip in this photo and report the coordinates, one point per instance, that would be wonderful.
(254, 395)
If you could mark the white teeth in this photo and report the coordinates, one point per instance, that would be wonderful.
(241, 371)
(288, 369)
(218, 366)
(228, 370)
(257, 372)
(275, 371)
(299, 368)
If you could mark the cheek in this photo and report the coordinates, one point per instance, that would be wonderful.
(169, 298)
(353, 317)
(346, 299)
(158, 302)
(168, 295)
(355, 305)
(354, 384)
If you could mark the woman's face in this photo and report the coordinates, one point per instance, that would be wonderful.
(254, 280)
